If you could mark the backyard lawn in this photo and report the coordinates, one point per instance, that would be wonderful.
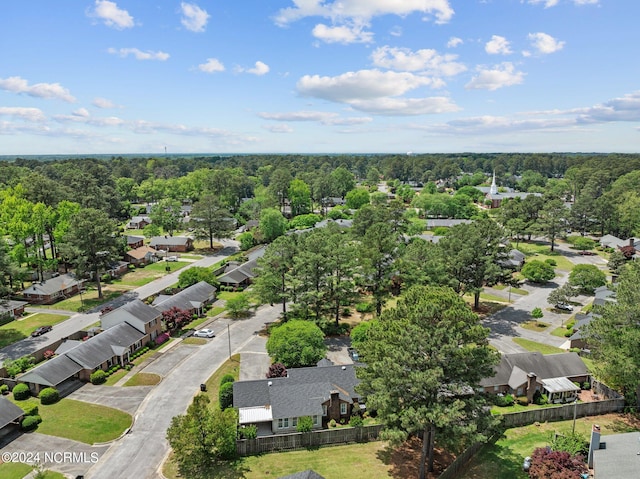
(88, 300)
(535, 346)
(80, 421)
(141, 276)
(16, 330)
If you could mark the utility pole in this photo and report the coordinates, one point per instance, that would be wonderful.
(229, 338)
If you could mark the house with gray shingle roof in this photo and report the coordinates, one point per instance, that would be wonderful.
(10, 416)
(193, 299)
(178, 244)
(52, 290)
(522, 374)
(11, 309)
(141, 316)
(275, 405)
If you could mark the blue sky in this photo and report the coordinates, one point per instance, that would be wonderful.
(318, 76)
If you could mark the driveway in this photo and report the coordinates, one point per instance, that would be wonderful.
(127, 399)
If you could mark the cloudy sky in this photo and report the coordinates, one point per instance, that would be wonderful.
(318, 76)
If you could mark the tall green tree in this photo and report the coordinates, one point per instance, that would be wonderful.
(424, 358)
(91, 243)
(296, 343)
(552, 220)
(271, 283)
(167, 213)
(299, 197)
(614, 336)
(272, 224)
(203, 437)
(210, 219)
(342, 181)
(377, 252)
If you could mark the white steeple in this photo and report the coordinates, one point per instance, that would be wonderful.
(494, 189)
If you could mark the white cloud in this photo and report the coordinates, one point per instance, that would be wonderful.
(28, 114)
(626, 108)
(363, 10)
(212, 65)
(39, 90)
(489, 124)
(454, 42)
(360, 85)
(194, 18)
(81, 112)
(497, 77)
(406, 106)
(278, 128)
(139, 54)
(326, 118)
(586, 2)
(103, 103)
(396, 31)
(426, 60)
(547, 3)
(342, 34)
(498, 46)
(259, 69)
(111, 15)
(545, 43)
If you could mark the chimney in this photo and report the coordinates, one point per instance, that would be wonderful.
(631, 241)
(531, 386)
(594, 445)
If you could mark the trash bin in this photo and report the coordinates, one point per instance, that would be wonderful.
(203, 387)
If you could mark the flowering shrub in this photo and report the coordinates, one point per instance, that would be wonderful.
(162, 338)
(48, 354)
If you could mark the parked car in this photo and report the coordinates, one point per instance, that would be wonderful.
(41, 330)
(586, 253)
(564, 307)
(353, 354)
(171, 258)
(204, 333)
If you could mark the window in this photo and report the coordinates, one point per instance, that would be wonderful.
(324, 409)
(316, 420)
(343, 408)
(283, 423)
(294, 422)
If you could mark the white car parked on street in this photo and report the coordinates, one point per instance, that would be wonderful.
(204, 333)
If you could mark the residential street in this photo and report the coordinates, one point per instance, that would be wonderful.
(81, 321)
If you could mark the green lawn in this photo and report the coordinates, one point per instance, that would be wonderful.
(80, 421)
(115, 377)
(535, 346)
(14, 470)
(143, 379)
(17, 330)
(195, 341)
(230, 366)
(503, 460)
(560, 332)
(89, 298)
(162, 266)
(535, 325)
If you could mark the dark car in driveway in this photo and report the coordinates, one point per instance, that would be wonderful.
(41, 330)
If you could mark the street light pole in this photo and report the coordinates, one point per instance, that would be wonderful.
(229, 338)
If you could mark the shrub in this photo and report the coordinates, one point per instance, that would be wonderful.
(551, 261)
(305, 424)
(49, 396)
(29, 423)
(48, 354)
(98, 377)
(21, 392)
(249, 432)
(540, 399)
(332, 423)
(4, 389)
(356, 421)
(504, 401)
(586, 385)
(365, 307)
(225, 395)
(522, 400)
(227, 378)
(162, 338)
(277, 370)
(537, 313)
(30, 409)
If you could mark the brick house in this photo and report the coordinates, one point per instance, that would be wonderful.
(141, 316)
(177, 244)
(138, 222)
(324, 393)
(12, 309)
(52, 290)
(141, 256)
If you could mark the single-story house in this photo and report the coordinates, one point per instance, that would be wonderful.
(180, 244)
(141, 256)
(522, 374)
(577, 339)
(603, 296)
(444, 222)
(324, 392)
(134, 242)
(614, 455)
(138, 222)
(514, 260)
(239, 275)
(144, 318)
(10, 417)
(193, 299)
(117, 269)
(52, 290)
(102, 351)
(12, 309)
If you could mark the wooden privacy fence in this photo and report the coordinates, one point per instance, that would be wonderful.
(301, 440)
(560, 413)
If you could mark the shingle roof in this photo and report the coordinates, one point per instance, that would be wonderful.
(543, 366)
(134, 309)
(10, 305)
(301, 393)
(308, 474)
(141, 252)
(240, 273)
(192, 297)
(9, 412)
(52, 372)
(170, 240)
(53, 285)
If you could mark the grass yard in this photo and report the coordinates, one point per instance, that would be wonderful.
(560, 332)
(80, 421)
(19, 329)
(115, 377)
(195, 341)
(14, 470)
(143, 379)
(535, 325)
(162, 266)
(503, 460)
(535, 346)
(230, 366)
(89, 298)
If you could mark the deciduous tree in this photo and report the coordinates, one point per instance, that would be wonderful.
(296, 344)
(211, 220)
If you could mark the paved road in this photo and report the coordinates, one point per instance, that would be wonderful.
(140, 453)
(81, 321)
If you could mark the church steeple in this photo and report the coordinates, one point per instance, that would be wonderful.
(494, 188)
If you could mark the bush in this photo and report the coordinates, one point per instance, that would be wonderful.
(248, 432)
(356, 421)
(277, 370)
(21, 392)
(305, 424)
(98, 377)
(30, 409)
(332, 423)
(586, 385)
(330, 328)
(227, 378)
(48, 354)
(29, 423)
(365, 307)
(49, 396)
(551, 261)
(537, 313)
(540, 399)
(4, 389)
(225, 396)
(504, 401)
(522, 400)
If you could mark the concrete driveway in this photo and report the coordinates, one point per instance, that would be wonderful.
(127, 399)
